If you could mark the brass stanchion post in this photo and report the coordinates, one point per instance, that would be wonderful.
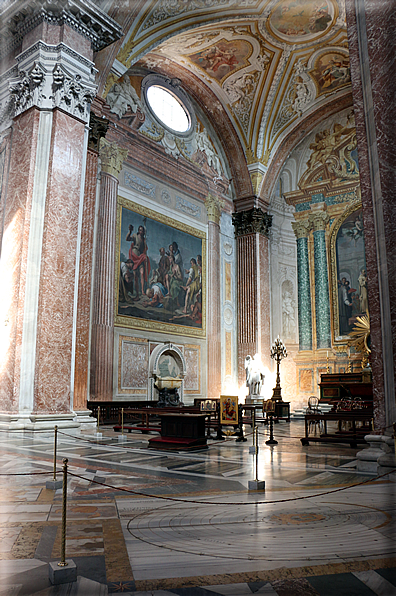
(122, 437)
(256, 449)
(256, 484)
(62, 562)
(55, 441)
(98, 433)
(64, 571)
(54, 483)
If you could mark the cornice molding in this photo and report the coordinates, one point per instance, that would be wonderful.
(21, 16)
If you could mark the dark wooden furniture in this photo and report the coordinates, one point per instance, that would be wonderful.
(357, 421)
(147, 419)
(334, 387)
(282, 411)
(180, 432)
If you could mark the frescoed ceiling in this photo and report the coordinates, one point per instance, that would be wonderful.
(272, 64)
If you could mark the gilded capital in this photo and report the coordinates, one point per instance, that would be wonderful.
(112, 157)
(319, 220)
(252, 221)
(214, 206)
(301, 228)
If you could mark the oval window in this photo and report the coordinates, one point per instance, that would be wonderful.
(168, 108)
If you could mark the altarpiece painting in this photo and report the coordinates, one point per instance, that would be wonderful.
(161, 276)
(349, 277)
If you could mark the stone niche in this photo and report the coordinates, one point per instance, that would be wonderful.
(167, 369)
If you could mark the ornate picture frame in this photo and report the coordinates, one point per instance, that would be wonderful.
(229, 409)
(347, 262)
(151, 293)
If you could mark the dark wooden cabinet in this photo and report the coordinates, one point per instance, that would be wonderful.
(180, 431)
(334, 387)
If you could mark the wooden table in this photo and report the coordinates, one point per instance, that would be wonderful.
(353, 436)
(180, 431)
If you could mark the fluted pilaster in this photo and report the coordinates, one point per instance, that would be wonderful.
(98, 128)
(213, 207)
(102, 342)
(252, 230)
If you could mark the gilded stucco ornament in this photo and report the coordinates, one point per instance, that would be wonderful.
(214, 205)
(112, 157)
(301, 228)
(319, 220)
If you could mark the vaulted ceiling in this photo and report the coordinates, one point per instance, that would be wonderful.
(274, 67)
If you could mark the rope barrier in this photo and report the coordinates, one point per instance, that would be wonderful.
(194, 502)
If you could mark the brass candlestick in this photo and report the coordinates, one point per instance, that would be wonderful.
(278, 352)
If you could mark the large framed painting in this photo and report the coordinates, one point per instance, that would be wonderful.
(160, 272)
(348, 272)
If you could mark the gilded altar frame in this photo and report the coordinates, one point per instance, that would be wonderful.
(338, 222)
(192, 237)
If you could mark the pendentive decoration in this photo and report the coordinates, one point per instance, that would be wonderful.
(252, 221)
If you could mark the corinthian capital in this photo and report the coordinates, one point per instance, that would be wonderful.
(319, 220)
(112, 157)
(214, 206)
(252, 221)
(301, 228)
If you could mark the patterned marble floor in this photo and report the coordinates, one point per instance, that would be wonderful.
(151, 522)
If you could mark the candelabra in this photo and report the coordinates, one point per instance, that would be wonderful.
(278, 352)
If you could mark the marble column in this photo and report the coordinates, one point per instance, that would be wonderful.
(371, 27)
(50, 110)
(301, 230)
(319, 220)
(252, 231)
(213, 320)
(98, 128)
(102, 338)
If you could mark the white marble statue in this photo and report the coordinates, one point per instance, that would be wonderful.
(254, 374)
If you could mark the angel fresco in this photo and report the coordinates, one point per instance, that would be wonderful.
(223, 58)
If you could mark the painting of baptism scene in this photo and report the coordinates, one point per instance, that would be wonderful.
(161, 276)
(351, 272)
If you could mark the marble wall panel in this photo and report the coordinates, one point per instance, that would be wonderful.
(306, 380)
(192, 381)
(228, 353)
(133, 365)
(57, 279)
(16, 225)
(264, 303)
(214, 311)
(84, 285)
(228, 284)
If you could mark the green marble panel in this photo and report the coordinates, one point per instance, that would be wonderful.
(304, 296)
(322, 300)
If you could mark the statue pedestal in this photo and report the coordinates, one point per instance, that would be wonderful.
(254, 400)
